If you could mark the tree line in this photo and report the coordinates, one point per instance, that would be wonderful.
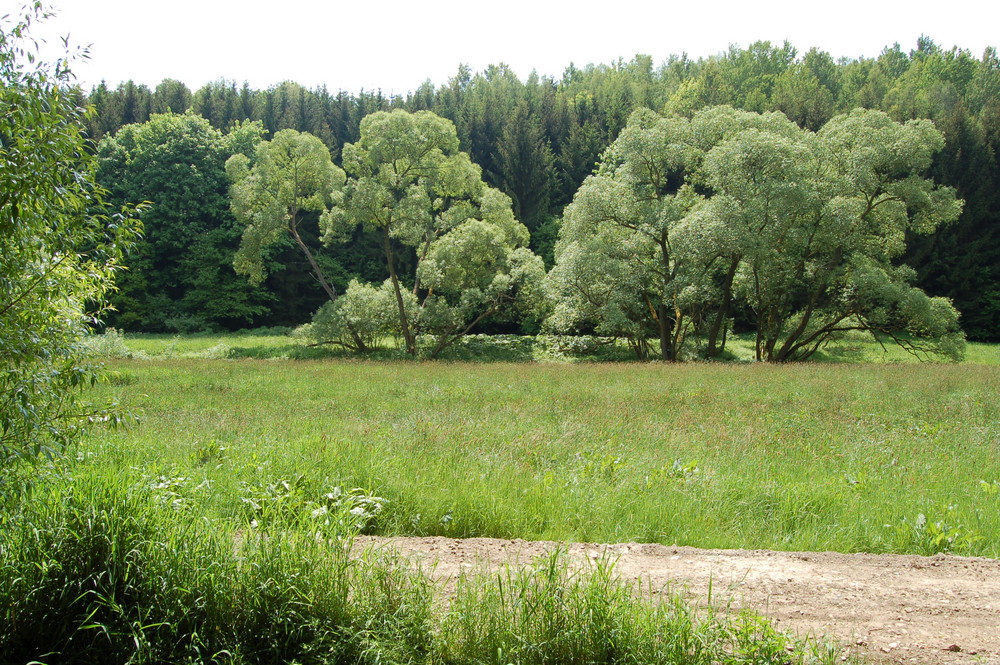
(536, 141)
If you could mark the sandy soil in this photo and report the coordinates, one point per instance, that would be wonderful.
(888, 608)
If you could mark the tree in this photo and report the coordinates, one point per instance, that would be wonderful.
(480, 269)
(272, 195)
(526, 165)
(616, 267)
(411, 186)
(360, 317)
(819, 220)
(800, 96)
(408, 181)
(802, 227)
(171, 96)
(59, 250)
(181, 274)
(637, 257)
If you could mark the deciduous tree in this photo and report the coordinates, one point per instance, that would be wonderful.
(804, 228)
(410, 184)
(59, 250)
(181, 275)
(291, 177)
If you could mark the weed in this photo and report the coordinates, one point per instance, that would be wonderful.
(100, 572)
(295, 502)
(110, 344)
(600, 466)
(176, 492)
(204, 452)
(925, 536)
(990, 488)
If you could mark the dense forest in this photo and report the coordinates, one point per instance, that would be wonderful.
(535, 140)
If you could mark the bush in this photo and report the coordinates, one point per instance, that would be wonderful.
(109, 344)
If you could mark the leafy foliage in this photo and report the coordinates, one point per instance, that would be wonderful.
(289, 177)
(410, 185)
(361, 317)
(180, 275)
(686, 218)
(538, 139)
(59, 251)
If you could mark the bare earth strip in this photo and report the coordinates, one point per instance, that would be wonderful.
(889, 608)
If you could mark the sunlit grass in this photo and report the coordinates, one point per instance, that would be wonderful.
(853, 348)
(800, 457)
(215, 527)
(118, 569)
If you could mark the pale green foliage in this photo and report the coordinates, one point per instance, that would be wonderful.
(409, 183)
(293, 175)
(360, 317)
(686, 217)
(59, 251)
(819, 218)
(481, 268)
(502, 289)
(616, 268)
(406, 174)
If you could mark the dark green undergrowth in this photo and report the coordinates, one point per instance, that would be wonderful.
(103, 571)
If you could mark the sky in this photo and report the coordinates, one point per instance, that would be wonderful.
(395, 46)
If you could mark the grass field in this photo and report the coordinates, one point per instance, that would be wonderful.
(216, 527)
(267, 343)
(891, 457)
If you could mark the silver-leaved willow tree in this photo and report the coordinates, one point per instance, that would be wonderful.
(686, 218)
(405, 181)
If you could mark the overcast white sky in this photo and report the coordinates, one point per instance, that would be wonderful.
(394, 46)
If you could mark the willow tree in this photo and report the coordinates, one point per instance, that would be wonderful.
(60, 249)
(480, 269)
(683, 218)
(617, 268)
(819, 221)
(409, 183)
(290, 177)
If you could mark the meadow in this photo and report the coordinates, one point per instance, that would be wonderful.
(877, 457)
(216, 524)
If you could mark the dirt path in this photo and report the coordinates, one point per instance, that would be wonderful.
(894, 609)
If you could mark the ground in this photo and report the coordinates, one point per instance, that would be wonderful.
(888, 608)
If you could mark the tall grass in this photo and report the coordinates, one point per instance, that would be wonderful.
(97, 570)
(887, 458)
(552, 613)
(218, 527)
(100, 573)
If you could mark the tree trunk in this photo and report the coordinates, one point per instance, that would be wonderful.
(666, 350)
(408, 337)
(293, 227)
(718, 325)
